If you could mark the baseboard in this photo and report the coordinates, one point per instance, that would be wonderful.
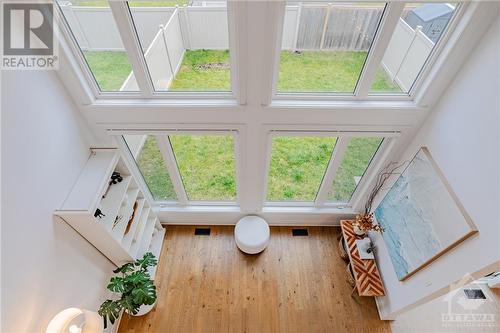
(275, 217)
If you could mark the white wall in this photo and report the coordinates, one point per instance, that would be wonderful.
(46, 265)
(462, 133)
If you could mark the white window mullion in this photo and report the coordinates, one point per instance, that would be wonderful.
(130, 41)
(172, 168)
(331, 170)
(391, 17)
(236, 11)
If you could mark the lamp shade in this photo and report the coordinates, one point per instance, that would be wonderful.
(74, 320)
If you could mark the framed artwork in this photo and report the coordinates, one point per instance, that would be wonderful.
(421, 216)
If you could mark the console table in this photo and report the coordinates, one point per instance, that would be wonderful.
(365, 271)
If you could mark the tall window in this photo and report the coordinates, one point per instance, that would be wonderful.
(357, 158)
(150, 161)
(207, 166)
(297, 167)
(190, 166)
(325, 45)
(417, 32)
(95, 31)
(186, 48)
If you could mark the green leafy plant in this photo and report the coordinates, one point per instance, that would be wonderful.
(136, 288)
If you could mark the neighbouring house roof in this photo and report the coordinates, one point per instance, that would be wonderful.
(431, 11)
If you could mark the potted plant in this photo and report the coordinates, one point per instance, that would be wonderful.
(138, 292)
(364, 222)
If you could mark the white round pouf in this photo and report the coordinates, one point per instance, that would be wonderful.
(252, 234)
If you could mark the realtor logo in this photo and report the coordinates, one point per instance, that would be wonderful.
(28, 36)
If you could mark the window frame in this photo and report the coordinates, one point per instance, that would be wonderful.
(343, 138)
(129, 37)
(391, 14)
(166, 149)
(237, 49)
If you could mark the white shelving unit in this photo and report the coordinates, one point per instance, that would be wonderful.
(109, 234)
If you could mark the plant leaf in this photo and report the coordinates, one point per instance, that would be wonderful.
(128, 267)
(116, 284)
(147, 260)
(109, 310)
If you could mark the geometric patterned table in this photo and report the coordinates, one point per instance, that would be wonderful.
(366, 275)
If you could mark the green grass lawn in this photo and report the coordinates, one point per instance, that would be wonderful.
(321, 71)
(208, 70)
(110, 68)
(297, 167)
(152, 166)
(194, 75)
(207, 166)
(356, 160)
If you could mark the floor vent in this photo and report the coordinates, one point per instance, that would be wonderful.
(474, 294)
(300, 232)
(202, 231)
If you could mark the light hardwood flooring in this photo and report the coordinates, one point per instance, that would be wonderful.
(298, 284)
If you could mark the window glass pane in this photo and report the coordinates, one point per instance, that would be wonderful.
(297, 167)
(419, 29)
(325, 45)
(186, 49)
(357, 157)
(150, 161)
(94, 28)
(207, 166)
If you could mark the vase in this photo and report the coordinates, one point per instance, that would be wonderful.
(358, 231)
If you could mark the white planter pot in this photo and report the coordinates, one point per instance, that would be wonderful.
(145, 309)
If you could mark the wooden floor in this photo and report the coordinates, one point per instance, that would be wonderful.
(298, 284)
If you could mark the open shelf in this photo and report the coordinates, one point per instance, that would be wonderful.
(125, 212)
(111, 203)
(93, 191)
(127, 238)
(147, 236)
(136, 240)
(155, 247)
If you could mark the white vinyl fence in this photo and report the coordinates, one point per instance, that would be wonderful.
(406, 54)
(163, 56)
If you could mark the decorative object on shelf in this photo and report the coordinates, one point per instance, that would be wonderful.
(365, 248)
(365, 223)
(74, 320)
(98, 213)
(115, 178)
(131, 219)
(136, 289)
(118, 219)
(422, 217)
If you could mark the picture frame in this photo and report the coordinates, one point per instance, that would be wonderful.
(422, 217)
